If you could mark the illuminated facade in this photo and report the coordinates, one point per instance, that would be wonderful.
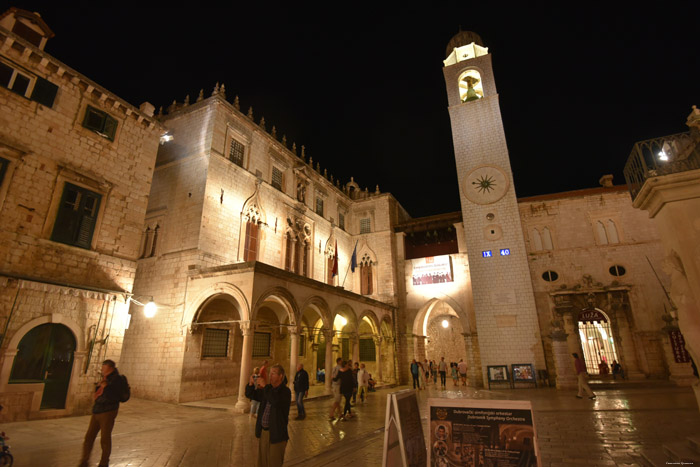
(245, 245)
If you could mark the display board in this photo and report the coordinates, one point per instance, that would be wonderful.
(404, 442)
(470, 432)
(524, 373)
(498, 374)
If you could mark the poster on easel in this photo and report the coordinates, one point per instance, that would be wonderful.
(404, 443)
(490, 433)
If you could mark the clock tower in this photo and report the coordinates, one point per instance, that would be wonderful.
(504, 304)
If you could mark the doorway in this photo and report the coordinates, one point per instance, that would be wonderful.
(597, 342)
(45, 355)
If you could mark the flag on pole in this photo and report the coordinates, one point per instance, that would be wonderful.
(353, 260)
(335, 260)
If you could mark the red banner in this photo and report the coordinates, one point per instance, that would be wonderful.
(680, 354)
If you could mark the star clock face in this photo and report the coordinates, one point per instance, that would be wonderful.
(485, 184)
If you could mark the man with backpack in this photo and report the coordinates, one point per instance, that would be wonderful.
(111, 390)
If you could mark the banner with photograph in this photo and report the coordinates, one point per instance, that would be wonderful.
(490, 433)
(433, 270)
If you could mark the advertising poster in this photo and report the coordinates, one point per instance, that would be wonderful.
(433, 270)
(489, 433)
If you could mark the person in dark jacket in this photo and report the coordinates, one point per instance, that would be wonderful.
(301, 390)
(273, 416)
(347, 386)
(107, 396)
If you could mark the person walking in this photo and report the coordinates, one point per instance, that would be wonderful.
(455, 377)
(109, 392)
(421, 376)
(355, 370)
(442, 368)
(347, 384)
(363, 382)
(414, 373)
(582, 376)
(462, 368)
(273, 416)
(335, 388)
(301, 390)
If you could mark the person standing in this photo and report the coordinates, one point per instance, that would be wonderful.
(455, 377)
(263, 370)
(108, 394)
(363, 382)
(582, 376)
(273, 416)
(462, 368)
(442, 368)
(301, 390)
(254, 405)
(414, 373)
(355, 370)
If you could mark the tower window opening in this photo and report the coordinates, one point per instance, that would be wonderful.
(470, 86)
(550, 276)
(617, 270)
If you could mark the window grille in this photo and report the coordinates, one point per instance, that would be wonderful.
(235, 152)
(319, 205)
(277, 178)
(365, 226)
(367, 350)
(215, 343)
(261, 344)
(345, 348)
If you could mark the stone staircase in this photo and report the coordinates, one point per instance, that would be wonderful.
(679, 452)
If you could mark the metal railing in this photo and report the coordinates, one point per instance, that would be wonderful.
(661, 156)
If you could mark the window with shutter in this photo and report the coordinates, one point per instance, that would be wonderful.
(77, 216)
(250, 250)
(27, 85)
(100, 122)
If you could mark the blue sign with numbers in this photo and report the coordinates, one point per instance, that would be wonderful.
(505, 251)
(486, 254)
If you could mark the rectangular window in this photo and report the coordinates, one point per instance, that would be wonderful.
(367, 350)
(319, 205)
(4, 164)
(365, 226)
(341, 220)
(27, 85)
(277, 178)
(250, 250)
(261, 344)
(77, 216)
(215, 343)
(235, 152)
(100, 122)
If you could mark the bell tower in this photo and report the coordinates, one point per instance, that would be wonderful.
(506, 317)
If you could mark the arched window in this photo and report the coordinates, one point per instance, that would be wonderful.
(366, 274)
(150, 240)
(536, 240)
(612, 232)
(250, 250)
(289, 252)
(547, 239)
(302, 258)
(602, 236)
(470, 87)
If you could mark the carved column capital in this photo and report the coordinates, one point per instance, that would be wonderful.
(329, 334)
(247, 328)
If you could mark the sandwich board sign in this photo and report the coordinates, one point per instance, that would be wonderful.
(471, 432)
(404, 443)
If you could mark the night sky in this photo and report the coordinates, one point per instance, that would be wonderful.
(362, 87)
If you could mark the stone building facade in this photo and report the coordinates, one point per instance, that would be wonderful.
(252, 252)
(76, 164)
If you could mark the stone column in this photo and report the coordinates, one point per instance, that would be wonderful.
(563, 361)
(475, 376)
(378, 353)
(314, 361)
(293, 357)
(355, 339)
(328, 334)
(247, 329)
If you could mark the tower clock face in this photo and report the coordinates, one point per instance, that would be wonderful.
(485, 184)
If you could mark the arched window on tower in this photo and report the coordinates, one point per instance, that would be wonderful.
(536, 240)
(470, 87)
(547, 239)
(612, 232)
(150, 241)
(366, 275)
(602, 235)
